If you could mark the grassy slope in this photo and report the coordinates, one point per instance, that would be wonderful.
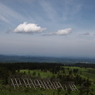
(89, 72)
(85, 72)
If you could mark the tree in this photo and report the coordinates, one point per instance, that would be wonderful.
(69, 90)
(58, 91)
(34, 74)
(28, 71)
(70, 72)
(39, 75)
(81, 91)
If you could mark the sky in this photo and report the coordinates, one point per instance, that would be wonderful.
(54, 28)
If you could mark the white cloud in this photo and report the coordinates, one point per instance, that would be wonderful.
(28, 28)
(62, 32)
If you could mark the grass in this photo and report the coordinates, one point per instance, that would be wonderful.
(39, 91)
(37, 72)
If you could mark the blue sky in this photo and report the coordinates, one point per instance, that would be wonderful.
(60, 28)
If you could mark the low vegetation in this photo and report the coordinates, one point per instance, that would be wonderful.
(83, 76)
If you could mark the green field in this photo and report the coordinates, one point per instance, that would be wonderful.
(37, 72)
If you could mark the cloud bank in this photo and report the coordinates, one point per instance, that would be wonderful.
(28, 28)
(62, 32)
(87, 34)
